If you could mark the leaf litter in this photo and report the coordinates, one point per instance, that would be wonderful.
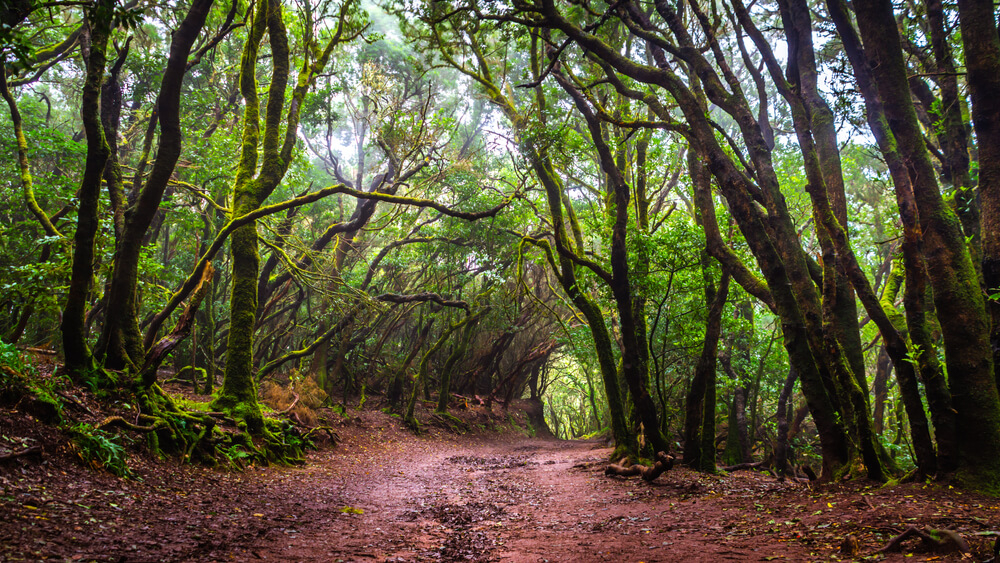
(386, 495)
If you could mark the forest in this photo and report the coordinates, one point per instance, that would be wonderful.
(715, 234)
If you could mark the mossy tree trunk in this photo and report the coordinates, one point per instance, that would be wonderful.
(395, 392)
(782, 446)
(456, 356)
(835, 339)
(880, 390)
(697, 407)
(634, 346)
(738, 432)
(19, 320)
(953, 277)
(771, 237)
(74, 331)
(912, 246)
(945, 114)
(121, 343)
(737, 448)
(272, 149)
(205, 352)
(982, 61)
(420, 380)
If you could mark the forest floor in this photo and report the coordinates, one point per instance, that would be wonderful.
(495, 494)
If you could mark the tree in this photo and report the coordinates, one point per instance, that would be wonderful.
(255, 182)
(97, 31)
(121, 344)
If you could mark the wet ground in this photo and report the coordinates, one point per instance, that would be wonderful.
(384, 494)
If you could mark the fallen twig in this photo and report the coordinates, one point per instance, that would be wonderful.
(291, 406)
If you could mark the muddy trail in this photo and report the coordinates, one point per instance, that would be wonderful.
(383, 494)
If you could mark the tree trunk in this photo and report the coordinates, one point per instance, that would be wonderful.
(239, 390)
(457, 355)
(74, 333)
(421, 377)
(737, 437)
(121, 340)
(238, 394)
(395, 392)
(950, 127)
(781, 447)
(957, 297)
(635, 366)
(982, 61)
(700, 403)
(253, 186)
(880, 390)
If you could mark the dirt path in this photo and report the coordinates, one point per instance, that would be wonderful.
(533, 500)
(385, 495)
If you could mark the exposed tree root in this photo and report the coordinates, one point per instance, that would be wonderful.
(663, 463)
(196, 437)
(74, 403)
(938, 541)
(169, 429)
(449, 422)
(291, 406)
(112, 421)
(334, 437)
(206, 430)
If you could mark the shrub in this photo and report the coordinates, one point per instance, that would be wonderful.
(99, 449)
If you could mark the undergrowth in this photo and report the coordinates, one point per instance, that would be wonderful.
(170, 427)
(10, 357)
(99, 449)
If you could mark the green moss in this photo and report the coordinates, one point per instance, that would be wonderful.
(238, 395)
(244, 409)
(189, 404)
(621, 451)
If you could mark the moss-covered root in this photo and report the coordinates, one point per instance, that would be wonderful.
(173, 430)
(283, 442)
(623, 451)
(451, 422)
(196, 438)
(244, 409)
